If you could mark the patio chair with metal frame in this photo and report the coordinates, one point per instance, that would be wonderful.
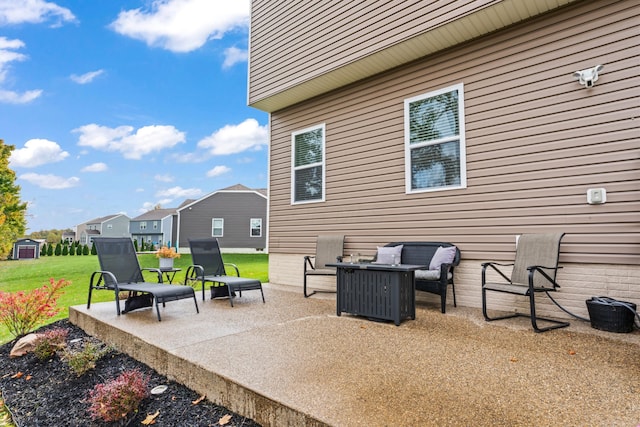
(120, 272)
(329, 248)
(208, 267)
(534, 271)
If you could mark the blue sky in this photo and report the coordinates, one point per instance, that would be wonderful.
(120, 106)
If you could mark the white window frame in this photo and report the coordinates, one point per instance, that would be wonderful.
(213, 227)
(295, 168)
(460, 138)
(143, 225)
(251, 227)
(155, 225)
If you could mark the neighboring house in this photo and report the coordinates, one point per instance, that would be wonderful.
(108, 226)
(456, 121)
(26, 249)
(69, 236)
(236, 215)
(158, 226)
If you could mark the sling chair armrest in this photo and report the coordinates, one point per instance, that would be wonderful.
(494, 266)
(194, 272)
(540, 269)
(155, 270)
(307, 261)
(235, 267)
(101, 279)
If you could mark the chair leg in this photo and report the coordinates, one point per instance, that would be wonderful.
(231, 290)
(117, 303)
(486, 315)
(534, 319)
(263, 301)
(196, 301)
(443, 300)
(89, 299)
(304, 288)
(158, 309)
(453, 289)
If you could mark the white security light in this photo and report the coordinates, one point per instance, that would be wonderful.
(588, 77)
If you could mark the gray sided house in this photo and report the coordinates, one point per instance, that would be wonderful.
(236, 215)
(158, 226)
(107, 226)
(26, 249)
(468, 121)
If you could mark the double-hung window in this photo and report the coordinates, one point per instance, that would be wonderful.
(434, 141)
(217, 227)
(308, 165)
(256, 227)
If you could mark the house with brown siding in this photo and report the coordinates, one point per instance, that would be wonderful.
(458, 121)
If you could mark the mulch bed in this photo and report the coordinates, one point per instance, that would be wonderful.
(49, 393)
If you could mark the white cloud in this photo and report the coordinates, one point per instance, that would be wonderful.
(7, 55)
(50, 182)
(33, 12)
(122, 139)
(231, 139)
(163, 178)
(37, 152)
(233, 55)
(86, 77)
(179, 193)
(217, 171)
(11, 97)
(96, 167)
(183, 25)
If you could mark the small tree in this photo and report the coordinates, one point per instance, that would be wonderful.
(49, 250)
(135, 245)
(65, 250)
(72, 250)
(43, 250)
(58, 250)
(79, 250)
(93, 249)
(85, 250)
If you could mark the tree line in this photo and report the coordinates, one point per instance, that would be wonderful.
(66, 248)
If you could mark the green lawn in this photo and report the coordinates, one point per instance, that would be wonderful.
(29, 274)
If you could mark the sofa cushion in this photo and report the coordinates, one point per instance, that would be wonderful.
(386, 253)
(430, 275)
(443, 255)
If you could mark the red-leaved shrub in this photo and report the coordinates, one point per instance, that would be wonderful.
(113, 400)
(22, 311)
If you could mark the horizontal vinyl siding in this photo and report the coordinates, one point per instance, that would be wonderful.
(303, 39)
(305, 48)
(535, 139)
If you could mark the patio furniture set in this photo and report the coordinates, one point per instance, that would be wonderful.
(120, 272)
(381, 288)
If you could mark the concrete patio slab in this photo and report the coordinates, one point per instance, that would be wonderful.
(294, 362)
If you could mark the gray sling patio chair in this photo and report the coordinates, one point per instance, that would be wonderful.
(120, 272)
(329, 248)
(208, 267)
(534, 271)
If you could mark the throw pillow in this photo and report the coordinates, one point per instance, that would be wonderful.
(386, 254)
(442, 256)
